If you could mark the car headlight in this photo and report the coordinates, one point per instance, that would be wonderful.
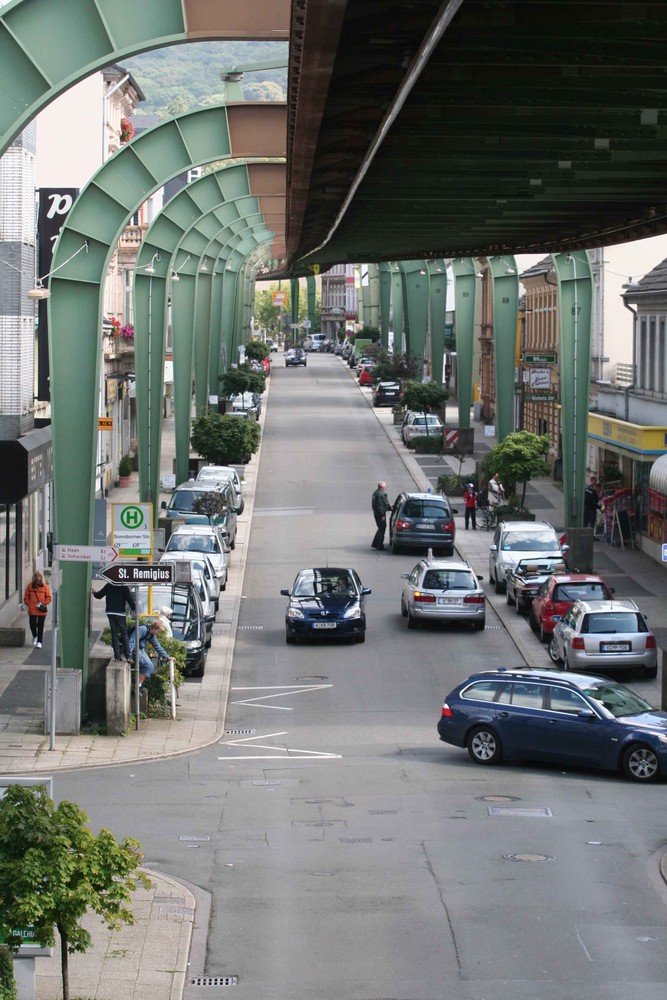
(354, 612)
(505, 567)
(192, 644)
(295, 613)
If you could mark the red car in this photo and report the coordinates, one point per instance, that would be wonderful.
(557, 595)
(366, 376)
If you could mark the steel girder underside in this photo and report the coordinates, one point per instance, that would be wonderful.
(531, 127)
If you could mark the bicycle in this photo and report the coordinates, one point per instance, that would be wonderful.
(486, 517)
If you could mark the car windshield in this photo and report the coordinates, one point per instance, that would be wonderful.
(539, 567)
(422, 421)
(437, 579)
(530, 541)
(613, 621)
(581, 592)
(424, 509)
(617, 699)
(314, 584)
(191, 543)
(185, 500)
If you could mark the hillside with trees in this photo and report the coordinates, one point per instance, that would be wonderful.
(184, 77)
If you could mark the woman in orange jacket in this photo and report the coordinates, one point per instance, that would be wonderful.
(36, 599)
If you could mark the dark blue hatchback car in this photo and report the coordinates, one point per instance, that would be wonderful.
(326, 603)
(535, 715)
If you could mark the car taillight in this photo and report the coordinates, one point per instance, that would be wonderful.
(578, 642)
(401, 525)
(650, 642)
(424, 598)
(447, 712)
(474, 599)
(447, 526)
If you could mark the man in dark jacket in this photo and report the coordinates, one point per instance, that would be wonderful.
(116, 599)
(380, 505)
(591, 503)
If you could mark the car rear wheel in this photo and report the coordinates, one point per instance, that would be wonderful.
(395, 548)
(412, 621)
(520, 606)
(650, 671)
(484, 745)
(478, 626)
(404, 610)
(640, 763)
(553, 651)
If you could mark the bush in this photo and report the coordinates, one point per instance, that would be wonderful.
(426, 444)
(225, 440)
(452, 485)
(7, 980)
(125, 466)
(158, 683)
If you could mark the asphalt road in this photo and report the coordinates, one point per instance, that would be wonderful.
(349, 854)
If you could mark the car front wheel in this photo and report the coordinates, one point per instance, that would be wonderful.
(640, 763)
(412, 621)
(499, 587)
(484, 745)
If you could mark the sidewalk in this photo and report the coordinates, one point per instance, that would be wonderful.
(152, 957)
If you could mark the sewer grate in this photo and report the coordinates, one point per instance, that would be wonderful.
(383, 812)
(519, 811)
(194, 839)
(250, 627)
(528, 857)
(240, 732)
(214, 981)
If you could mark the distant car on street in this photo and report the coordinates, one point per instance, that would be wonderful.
(295, 356)
(437, 590)
(326, 603)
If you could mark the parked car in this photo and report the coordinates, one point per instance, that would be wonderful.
(604, 635)
(198, 538)
(422, 520)
(326, 603)
(443, 591)
(184, 499)
(387, 393)
(317, 341)
(526, 578)
(366, 376)
(515, 540)
(422, 425)
(364, 362)
(221, 474)
(202, 562)
(295, 356)
(187, 621)
(245, 402)
(557, 595)
(581, 720)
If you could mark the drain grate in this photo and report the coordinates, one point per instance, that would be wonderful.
(383, 812)
(214, 981)
(249, 628)
(240, 732)
(519, 811)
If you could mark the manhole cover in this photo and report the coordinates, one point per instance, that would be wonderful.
(528, 857)
(536, 811)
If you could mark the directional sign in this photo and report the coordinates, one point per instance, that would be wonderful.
(539, 359)
(85, 553)
(138, 573)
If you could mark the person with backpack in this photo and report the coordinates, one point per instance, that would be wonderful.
(470, 501)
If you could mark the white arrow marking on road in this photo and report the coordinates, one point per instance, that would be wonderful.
(286, 753)
(283, 691)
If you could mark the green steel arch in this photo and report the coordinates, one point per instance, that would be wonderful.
(75, 308)
(47, 46)
(505, 320)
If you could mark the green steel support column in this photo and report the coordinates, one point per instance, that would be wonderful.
(416, 297)
(216, 363)
(183, 301)
(465, 297)
(202, 335)
(311, 289)
(400, 346)
(438, 313)
(229, 310)
(374, 296)
(150, 311)
(575, 288)
(505, 320)
(362, 293)
(385, 302)
(294, 296)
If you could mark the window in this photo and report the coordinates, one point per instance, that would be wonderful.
(526, 695)
(563, 700)
(482, 691)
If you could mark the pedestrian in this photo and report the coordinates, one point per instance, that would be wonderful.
(164, 615)
(496, 490)
(380, 505)
(116, 600)
(470, 501)
(591, 503)
(36, 600)
(148, 636)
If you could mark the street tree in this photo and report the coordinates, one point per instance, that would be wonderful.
(53, 870)
(396, 367)
(520, 457)
(424, 397)
(255, 350)
(238, 380)
(225, 440)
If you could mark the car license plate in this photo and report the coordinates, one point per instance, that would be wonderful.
(450, 600)
(425, 527)
(324, 624)
(615, 647)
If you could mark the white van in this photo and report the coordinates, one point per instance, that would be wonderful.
(314, 342)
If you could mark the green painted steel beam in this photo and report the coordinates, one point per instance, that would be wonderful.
(575, 315)
(46, 47)
(385, 303)
(415, 282)
(97, 220)
(437, 307)
(465, 298)
(373, 295)
(397, 309)
(505, 327)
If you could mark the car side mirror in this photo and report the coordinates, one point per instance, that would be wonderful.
(480, 578)
(587, 713)
(493, 548)
(565, 548)
(285, 593)
(405, 576)
(455, 510)
(163, 505)
(366, 590)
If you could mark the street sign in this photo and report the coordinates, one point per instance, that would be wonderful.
(85, 553)
(139, 573)
(132, 529)
(539, 359)
(664, 553)
(306, 324)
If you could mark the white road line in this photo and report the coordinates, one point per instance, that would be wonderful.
(284, 690)
(287, 753)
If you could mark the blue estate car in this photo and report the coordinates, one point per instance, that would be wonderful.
(581, 719)
(326, 603)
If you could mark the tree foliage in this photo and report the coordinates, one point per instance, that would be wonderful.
(241, 379)
(424, 396)
(7, 979)
(53, 870)
(396, 367)
(520, 457)
(225, 440)
(257, 350)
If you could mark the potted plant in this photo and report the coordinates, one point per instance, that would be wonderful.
(124, 470)
(399, 412)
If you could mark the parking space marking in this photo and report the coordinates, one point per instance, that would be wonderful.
(285, 753)
(282, 691)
